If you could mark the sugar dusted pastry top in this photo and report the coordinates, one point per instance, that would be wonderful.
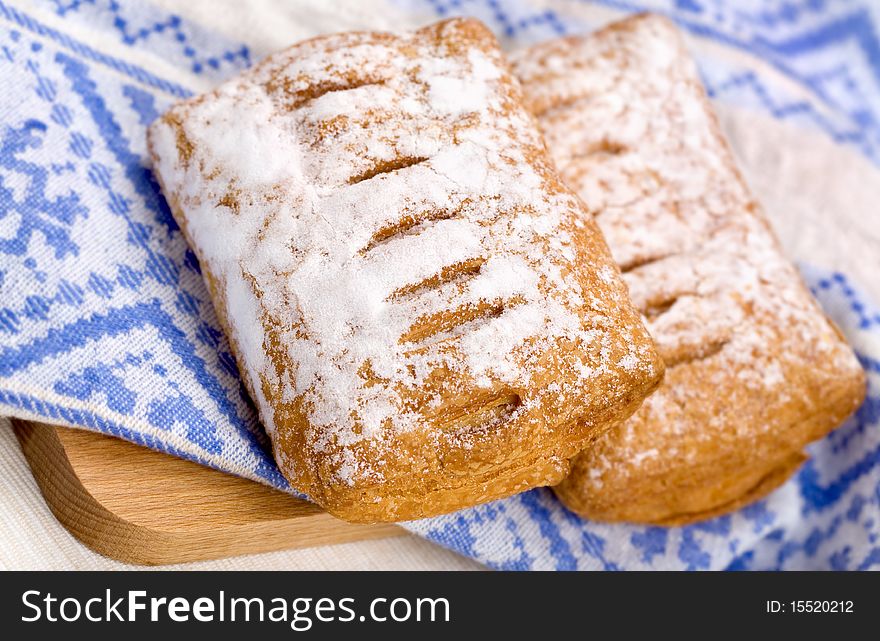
(389, 245)
(755, 370)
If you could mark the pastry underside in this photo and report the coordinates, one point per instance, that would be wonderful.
(422, 312)
(754, 370)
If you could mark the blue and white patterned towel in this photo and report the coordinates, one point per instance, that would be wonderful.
(105, 322)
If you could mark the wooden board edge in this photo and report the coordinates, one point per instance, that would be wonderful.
(104, 532)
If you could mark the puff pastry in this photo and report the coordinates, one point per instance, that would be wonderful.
(754, 369)
(422, 312)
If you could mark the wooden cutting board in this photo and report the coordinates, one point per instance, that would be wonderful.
(139, 506)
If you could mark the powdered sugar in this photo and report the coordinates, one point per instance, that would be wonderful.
(373, 214)
(625, 117)
(454, 94)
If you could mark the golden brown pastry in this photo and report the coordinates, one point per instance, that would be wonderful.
(754, 369)
(423, 313)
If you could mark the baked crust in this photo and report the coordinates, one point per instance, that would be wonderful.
(754, 369)
(423, 313)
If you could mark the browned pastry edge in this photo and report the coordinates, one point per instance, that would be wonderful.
(422, 498)
(766, 484)
(733, 492)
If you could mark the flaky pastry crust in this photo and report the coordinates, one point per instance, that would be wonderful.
(421, 310)
(755, 371)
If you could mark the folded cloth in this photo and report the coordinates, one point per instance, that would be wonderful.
(105, 322)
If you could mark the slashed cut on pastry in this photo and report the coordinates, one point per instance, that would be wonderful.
(754, 369)
(423, 313)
